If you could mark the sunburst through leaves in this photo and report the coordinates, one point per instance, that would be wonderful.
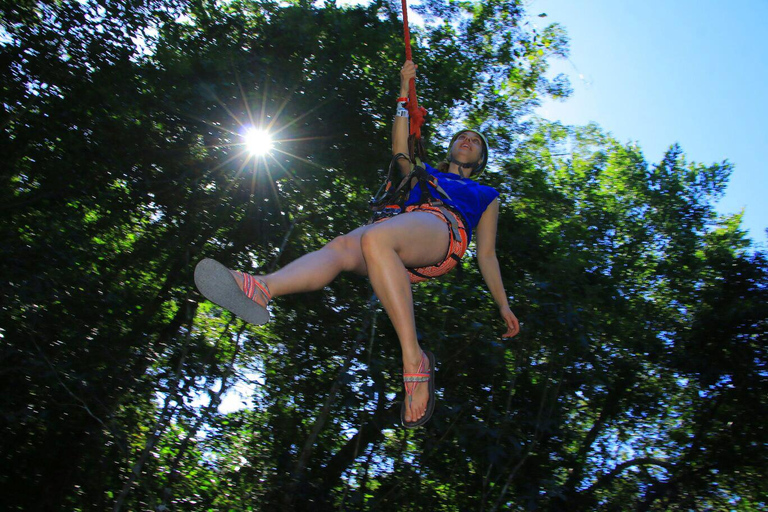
(258, 142)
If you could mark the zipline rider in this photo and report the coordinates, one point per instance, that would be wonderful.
(423, 233)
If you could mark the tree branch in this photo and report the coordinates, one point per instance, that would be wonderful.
(536, 435)
(207, 413)
(160, 424)
(306, 450)
(607, 479)
(82, 402)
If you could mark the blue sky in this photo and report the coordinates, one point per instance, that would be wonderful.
(659, 72)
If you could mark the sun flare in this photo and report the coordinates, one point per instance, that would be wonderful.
(258, 142)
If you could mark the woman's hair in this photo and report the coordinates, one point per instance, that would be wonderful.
(443, 166)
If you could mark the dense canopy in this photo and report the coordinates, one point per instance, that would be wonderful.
(639, 381)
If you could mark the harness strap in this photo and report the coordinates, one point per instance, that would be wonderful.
(420, 172)
(390, 195)
(450, 219)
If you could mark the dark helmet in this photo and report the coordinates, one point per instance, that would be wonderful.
(477, 167)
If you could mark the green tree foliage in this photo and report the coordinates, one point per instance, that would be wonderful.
(639, 381)
(628, 260)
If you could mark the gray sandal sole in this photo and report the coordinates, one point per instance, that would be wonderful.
(218, 285)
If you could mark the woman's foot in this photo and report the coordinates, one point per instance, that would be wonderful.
(419, 380)
(242, 294)
(255, 288)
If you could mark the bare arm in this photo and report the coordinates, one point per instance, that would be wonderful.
(401, 126)
(489, 265)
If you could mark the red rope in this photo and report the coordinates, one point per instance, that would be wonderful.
(416, 113)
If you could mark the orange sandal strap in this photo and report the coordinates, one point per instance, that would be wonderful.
(251, 285)
(412, 379)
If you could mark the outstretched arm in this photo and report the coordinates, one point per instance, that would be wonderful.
(489, 266)
(401, 126)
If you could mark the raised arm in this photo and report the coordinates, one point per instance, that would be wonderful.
(489, 266)
(401, 126)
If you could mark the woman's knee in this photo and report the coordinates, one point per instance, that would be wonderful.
(373, 242)
(347, 250)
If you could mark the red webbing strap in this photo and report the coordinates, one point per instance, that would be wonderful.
(416, 113)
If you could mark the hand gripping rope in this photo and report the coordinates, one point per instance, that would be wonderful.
(416, 113)
(391, 197)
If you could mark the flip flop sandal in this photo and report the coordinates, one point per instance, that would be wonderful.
(411, 380)
(218, 284)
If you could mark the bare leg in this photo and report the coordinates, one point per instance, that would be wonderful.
(382, 251)
(411, 240)
(317, 269)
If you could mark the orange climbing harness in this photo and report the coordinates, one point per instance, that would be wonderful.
(457, 242)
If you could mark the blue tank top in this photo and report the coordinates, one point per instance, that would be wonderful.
(467, 196)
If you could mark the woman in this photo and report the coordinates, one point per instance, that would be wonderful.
(393, 253)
